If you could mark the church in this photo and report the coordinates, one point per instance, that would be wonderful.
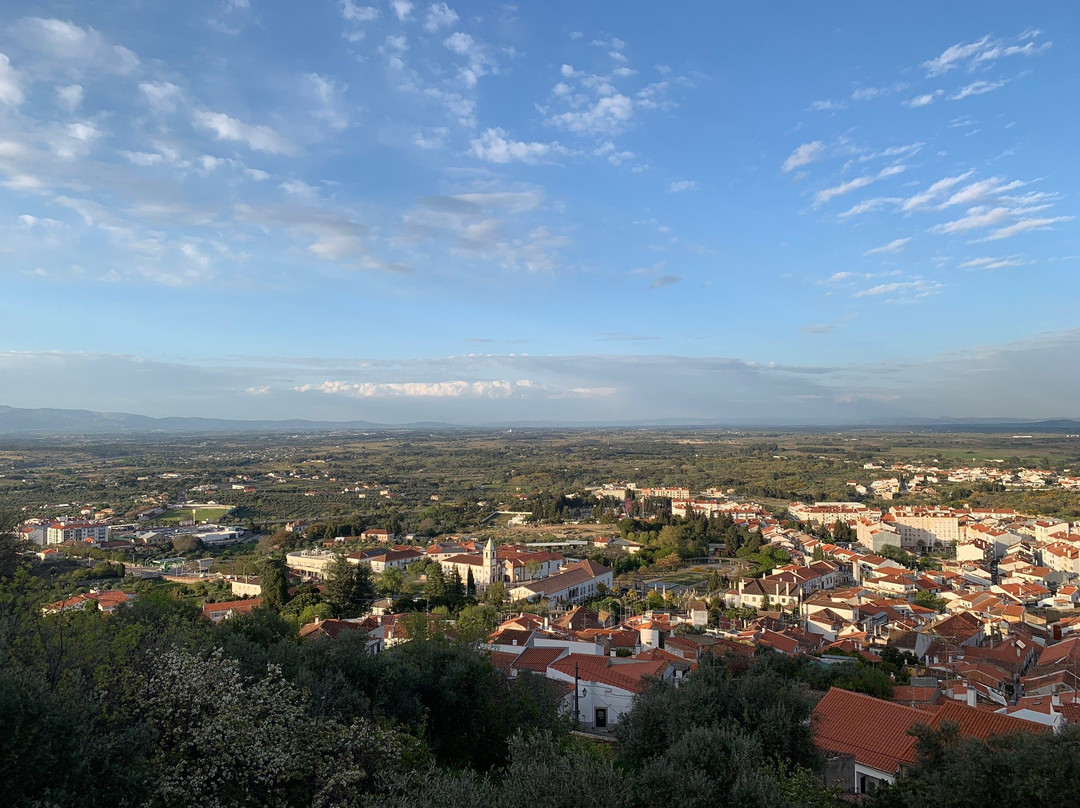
(486, 569)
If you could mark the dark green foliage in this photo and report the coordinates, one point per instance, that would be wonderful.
(10, 545)
(348, 587)
(274, 579)
(1020, 771)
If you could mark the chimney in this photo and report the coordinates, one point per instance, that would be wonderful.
(972, 698)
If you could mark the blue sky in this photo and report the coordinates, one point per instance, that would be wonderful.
(565, 211)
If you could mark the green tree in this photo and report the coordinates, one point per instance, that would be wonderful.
(475, 623)
(927, 599)
(455, 589)
(10, 544)
(391, 581)
(274, 581)
(348, 586)
(497, 594)
(435, 586)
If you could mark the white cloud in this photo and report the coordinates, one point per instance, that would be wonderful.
(402, 8)
(432, 139)
(326, 92)
(85, 131)
(354, 13)
(1025, 225)
(923, 198)
(827, 105)
(678, 186)
(993, 263)
(459, 43)
(496, 388)
(259, 138)
(439, 16)
(71, 96)
(979, 190)
(917, 288)
(923, 100)
(975, 54)
(162, 95)
(612, 154)
(493, 146)
(954, 55)
(839, 276)
(143, 159)
(300, 188)
(865, 206)
(480, 60)
(609, 115)
(69, 45)
(894, 246)
(976, 88)
(977, 217)
(10, 89)
(804, 155)
(827, 194)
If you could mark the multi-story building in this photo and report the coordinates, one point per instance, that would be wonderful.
(829, 513)
(926, 527)
(60, 532)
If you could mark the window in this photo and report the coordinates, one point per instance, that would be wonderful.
(601, 718)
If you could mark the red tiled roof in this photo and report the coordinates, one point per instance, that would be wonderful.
(328, 628)
(979, 724)
(537, 659)
(503, 660)
(630, 676)
(235, 606)
(873, 731)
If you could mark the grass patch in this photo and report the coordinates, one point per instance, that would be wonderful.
(185, 515)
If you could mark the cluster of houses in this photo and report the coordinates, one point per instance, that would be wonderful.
(527, 573)
(919, 476)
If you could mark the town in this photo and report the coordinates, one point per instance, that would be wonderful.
(917, 613)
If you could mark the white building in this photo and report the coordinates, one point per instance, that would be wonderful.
(60, 532)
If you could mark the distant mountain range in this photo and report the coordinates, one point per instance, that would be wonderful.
(19, 421)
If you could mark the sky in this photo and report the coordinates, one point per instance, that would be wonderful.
(600, 212)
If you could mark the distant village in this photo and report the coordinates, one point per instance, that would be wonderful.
(979, 604)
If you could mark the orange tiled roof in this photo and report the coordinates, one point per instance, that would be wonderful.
(630, 676)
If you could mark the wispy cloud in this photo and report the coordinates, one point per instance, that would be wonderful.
(804, 155)
(924, 100)
(665, 280)
(11, 92)
(827, 194)
(259, 138)
(994, 263)
(1024, 225)
(983, 51)
(932, 193)
(496, 388)
(918, 288)
(977, 88)
(894, 246)
(678, 186)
